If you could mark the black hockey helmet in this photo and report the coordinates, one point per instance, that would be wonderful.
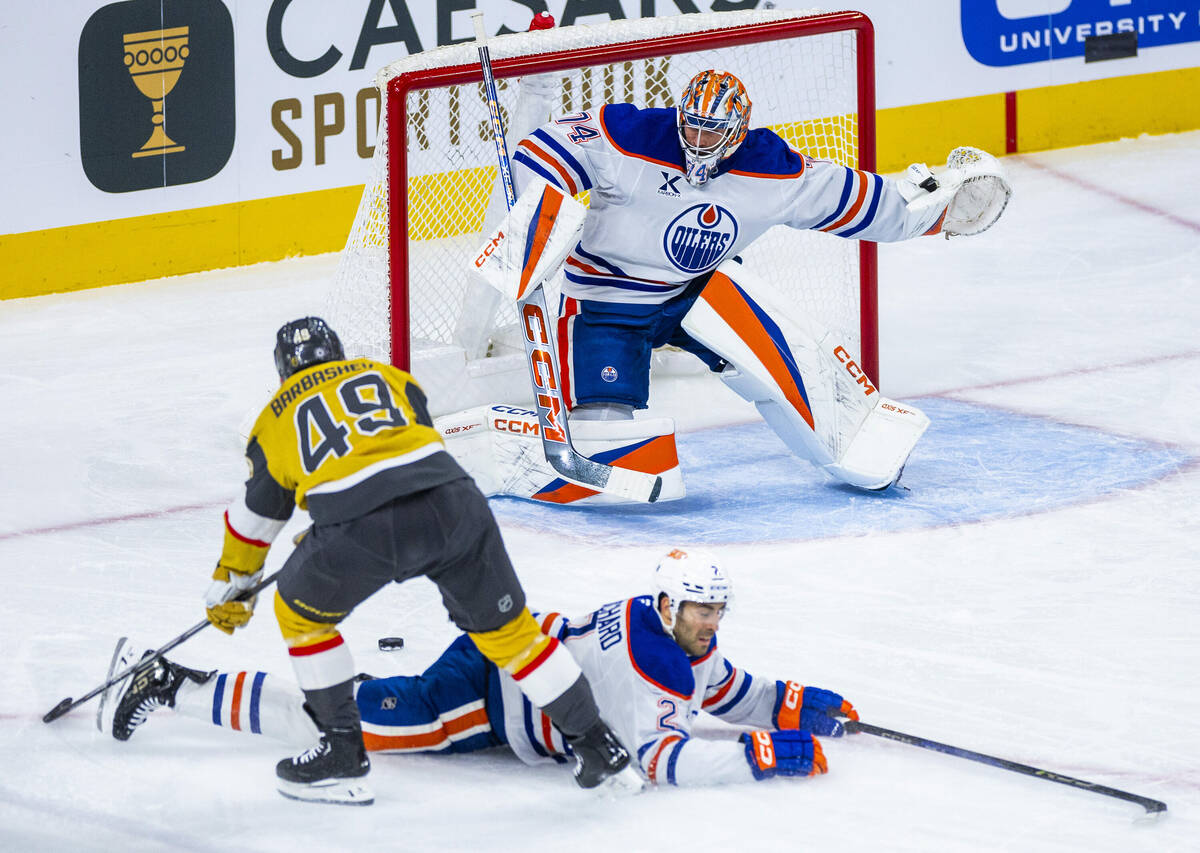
(303, 343)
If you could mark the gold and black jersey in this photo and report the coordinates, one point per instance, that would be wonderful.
(342, 438)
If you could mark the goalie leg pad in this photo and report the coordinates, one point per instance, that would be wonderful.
(881, 447)
(838, 421)
(500, 447)
(762, 367)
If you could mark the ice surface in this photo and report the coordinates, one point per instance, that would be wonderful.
(1034, 595)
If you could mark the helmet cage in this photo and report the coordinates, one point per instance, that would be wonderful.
(303, 343)
(713, 101)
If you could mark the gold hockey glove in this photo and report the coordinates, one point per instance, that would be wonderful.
(219, 601)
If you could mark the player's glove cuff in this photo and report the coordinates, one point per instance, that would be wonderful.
(790, 753)
(223, 602)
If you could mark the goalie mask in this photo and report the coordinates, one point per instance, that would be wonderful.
(716, 102)
(303, 343)
(691, 576)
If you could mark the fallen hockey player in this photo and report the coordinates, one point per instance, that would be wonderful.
(653, 659)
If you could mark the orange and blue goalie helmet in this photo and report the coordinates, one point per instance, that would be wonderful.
(714, 101)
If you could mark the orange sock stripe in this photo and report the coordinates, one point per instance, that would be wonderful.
(235, 721)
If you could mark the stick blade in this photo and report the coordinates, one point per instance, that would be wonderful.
(634, 485)
(1155, 809)
(58, 710)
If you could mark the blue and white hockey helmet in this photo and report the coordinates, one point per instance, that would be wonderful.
(716, 107)
(692, 575)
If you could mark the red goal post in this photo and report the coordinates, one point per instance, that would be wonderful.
(403, 291)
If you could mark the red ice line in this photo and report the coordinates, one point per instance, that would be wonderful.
(1108, 193)
(1077, 371)
(99, 522)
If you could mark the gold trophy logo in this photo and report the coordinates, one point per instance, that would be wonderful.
(155, 60)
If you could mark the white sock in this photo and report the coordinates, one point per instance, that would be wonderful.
(252, 702)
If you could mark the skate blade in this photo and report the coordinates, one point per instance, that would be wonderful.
(625, 783)
(104, 713)
(342, 792)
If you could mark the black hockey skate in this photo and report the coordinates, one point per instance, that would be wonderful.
(601, 760)
(333, 771)
(149, 688)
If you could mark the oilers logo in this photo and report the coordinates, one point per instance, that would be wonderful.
(697, 239)
(609, 374)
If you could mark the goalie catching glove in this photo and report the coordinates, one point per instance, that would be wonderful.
(223, 601)
(783, 753)
(973, 188)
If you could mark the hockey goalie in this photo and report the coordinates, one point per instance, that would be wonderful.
(654, 262)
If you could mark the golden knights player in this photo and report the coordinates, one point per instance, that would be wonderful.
(351, 441)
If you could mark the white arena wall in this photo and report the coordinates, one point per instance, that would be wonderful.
(276, 108)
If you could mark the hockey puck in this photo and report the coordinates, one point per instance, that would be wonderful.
(390, 644)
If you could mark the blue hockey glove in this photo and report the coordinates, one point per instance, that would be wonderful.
(811, 708)
(784, 753)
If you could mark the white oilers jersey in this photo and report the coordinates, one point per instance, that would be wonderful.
(650, 692)
(649, 232)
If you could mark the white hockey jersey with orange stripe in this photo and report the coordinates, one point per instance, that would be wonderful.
(650, 692)
(649, 232)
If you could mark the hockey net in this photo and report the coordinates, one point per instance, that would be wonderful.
(405, 291)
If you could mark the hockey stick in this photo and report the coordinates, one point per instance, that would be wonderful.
(67, 704)
(538, 339)
(1154, 807)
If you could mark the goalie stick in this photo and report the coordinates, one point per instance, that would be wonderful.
(1152, 807)
(538, 339)
(67, 704)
